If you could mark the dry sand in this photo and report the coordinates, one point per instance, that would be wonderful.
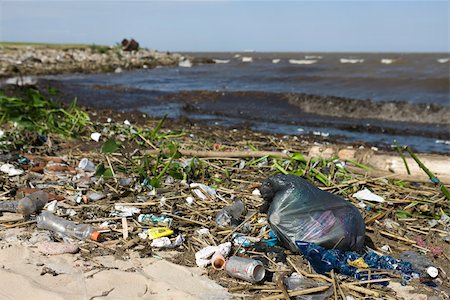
(106, 277)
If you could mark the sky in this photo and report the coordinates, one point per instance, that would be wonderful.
(294, 26)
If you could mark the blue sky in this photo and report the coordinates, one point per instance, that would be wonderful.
(348, 26)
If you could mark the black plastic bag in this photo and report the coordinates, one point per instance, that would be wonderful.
(299, 211)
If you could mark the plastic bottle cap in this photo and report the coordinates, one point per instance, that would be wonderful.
(95, 235)
(433, 272)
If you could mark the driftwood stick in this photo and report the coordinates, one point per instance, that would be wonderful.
(221, 154)
(298, 293)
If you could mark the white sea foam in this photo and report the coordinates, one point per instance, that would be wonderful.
(276, 60)
(313, 57)
(247, 59)
(185, 63)
(221, 61)
(302, 61)
(443, 60)
(387, 61)
(351, 60)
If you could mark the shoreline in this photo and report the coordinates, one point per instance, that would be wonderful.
(99, 268)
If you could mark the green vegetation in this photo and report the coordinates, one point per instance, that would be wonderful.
(47, 45)
(35, 112)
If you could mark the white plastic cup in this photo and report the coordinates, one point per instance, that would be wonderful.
(86, 165)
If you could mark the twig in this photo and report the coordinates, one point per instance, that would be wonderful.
(433, 178)
(222, 154)
(298, 293)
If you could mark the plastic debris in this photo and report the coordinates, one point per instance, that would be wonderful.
(248, 269)
(151, 219)
(26, 206)
(324, 260)
(204, 192)
(256, 192)
(420, 263)
(203, 256)
(202, 231)
(300, 211)
(47, 220)
(125, 211)
(54, 248)
(86, 165)
(230, 215)
(218, 261)
(297, 282)
(95, 196)
(96, 136)
(158, 232)
(189, 200)
(367, 195)
(244, 241)
(11, 170)
(161, 242)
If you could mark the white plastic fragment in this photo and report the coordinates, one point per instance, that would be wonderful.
(126, 122)
(125, 211)
(203, 256)
(203, 191)
(367, 195)
(165, 242)
(96, 136)
(189, 200)
(432, 271)
(256, 192)
(11, 170)
(202, 231)
(2, 133)
(109, 120)
(161, 242)
(51, 206)
(386, 249)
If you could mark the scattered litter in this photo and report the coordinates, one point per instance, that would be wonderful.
(158, 232)
(367, 195)
(204, 192)
(202, 231)
(47, 220)
(125, 211)
(256, 192)
(95, 196)
(297, 282)
(11, 170)
(96, 136)
(161, 242)
(189, 200)
(203, 256)
(151, 219)
(26, 206)
(320, 217)
(230, 215)
(86, 165)
(251, 270)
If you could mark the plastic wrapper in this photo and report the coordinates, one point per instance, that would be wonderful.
(299, 211)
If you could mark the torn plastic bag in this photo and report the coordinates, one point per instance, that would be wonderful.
(299, 211)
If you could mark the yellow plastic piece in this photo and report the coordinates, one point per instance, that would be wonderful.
(358, 263)
(158, 232)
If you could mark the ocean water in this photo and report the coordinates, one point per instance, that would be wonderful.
(253, 89)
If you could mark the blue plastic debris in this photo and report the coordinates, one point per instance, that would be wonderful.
(324, 260)
(272, 240)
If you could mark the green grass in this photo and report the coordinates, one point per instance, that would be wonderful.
(35, 112)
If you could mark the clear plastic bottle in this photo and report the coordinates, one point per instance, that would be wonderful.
(47, 220)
